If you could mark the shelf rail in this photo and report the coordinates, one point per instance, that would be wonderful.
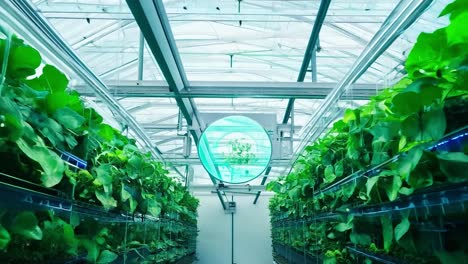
(439, 196)
(374, 256)
(33, 196)
(456, 136)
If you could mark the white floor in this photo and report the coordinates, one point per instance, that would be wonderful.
(252, 239)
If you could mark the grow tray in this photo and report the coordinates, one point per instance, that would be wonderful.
(16, 192)
(444, 199)
(72, 160)
(307, 220)
(187, 259)
(21, 194)
(290, 255)
(374, 256)
(451, 142)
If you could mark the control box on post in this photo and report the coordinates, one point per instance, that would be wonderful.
(230, 207)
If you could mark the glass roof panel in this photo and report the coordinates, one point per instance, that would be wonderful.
(342, 40)
(395, 56)
(266, 40)
(240, 41)
(104, 34)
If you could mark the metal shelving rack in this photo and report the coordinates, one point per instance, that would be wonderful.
(434, 200)
(288, 255)
(454, 137)
(374, 256)
(19, 194)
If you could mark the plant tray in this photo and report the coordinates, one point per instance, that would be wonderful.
(73, 160)
(374, 256)
(293, 256)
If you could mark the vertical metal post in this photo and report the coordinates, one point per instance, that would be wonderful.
(304, 239)
(291, 135)
(313, 65)
(311, 45)
(125, 243)
(232, 234)
(141, 55)
(187, 176)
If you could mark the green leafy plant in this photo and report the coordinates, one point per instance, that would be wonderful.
(427, 104)
(40, 118)
(240, 152)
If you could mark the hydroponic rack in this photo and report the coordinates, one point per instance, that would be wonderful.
(19, 195)
(445, 202)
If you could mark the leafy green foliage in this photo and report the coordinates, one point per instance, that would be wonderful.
(430, 102)
(35, 149)
(454, 165)
(402, 228)
(26, 224)
(387, 232)
(4, 238)
(240, 152)
(39, 118)
(23, 61)
(107, 256)
(341, 227)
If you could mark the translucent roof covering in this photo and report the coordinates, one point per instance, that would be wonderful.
(266, 40)
(239, 58)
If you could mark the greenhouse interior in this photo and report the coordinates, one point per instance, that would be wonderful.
(233, 131)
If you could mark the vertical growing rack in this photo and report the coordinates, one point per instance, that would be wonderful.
(436, 213)
(136, 231)
(389, 182)
(116, 204)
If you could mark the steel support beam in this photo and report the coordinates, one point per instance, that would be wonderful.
(397, 22)
(227, 188)
(309, 58)
(21, 15)
(119, 25)
(313, 40)
(265, 177)
(313, 65)
(124, 66)
(360, 40)
(169, 139)
(141, 56)
(154, 24)
(63, 12)
(139, 107)
(234, 90)
(160, 127)
(174, 150)
(195, 161)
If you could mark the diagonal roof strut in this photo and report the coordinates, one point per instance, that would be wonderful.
(313, 40)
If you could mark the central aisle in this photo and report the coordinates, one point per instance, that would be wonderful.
(252, 233)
